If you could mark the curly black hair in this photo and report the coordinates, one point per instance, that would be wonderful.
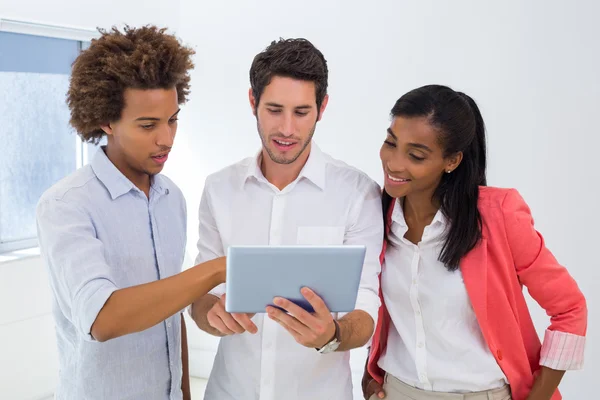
(137, 58)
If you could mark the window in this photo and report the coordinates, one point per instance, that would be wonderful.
(38, 146)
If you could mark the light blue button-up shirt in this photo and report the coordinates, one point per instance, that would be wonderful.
(99, 233)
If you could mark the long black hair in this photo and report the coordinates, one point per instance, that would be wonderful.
(456, 117)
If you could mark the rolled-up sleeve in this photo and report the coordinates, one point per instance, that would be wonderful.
(79, 275)
(562, 351)
(366, 228)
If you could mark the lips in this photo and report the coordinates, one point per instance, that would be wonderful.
(283, 144)
(394, 180)
(398, 179)
(161, 158)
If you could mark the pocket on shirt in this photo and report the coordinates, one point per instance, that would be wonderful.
(320, 235)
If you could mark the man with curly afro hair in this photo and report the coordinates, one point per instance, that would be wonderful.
(113, 233)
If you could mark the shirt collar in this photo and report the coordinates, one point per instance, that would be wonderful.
(313, 170)
(115, 182)
(398, 216)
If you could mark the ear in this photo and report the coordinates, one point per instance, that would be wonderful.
(323, 106)
(453, 161)
(253, 103)
(107, 129)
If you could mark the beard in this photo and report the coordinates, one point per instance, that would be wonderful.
(283, 158)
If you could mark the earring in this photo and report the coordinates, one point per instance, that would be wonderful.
(448, 171)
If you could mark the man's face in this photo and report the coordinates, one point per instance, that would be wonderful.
(143, 137)
(286, 117)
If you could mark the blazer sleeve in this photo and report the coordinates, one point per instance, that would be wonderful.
(550, 284)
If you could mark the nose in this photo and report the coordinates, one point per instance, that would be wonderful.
(287, 125)
(393, 163)
(166, 136)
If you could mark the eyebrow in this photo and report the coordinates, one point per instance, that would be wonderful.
(156, 119)
(302, 107)
(416, 145)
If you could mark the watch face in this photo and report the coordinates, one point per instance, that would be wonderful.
(330, 347)
(334, 345)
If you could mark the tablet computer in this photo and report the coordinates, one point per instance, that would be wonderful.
(257, 274)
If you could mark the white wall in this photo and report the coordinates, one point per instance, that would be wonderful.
(88, 14)
(532, 66)
(28, 359)
(28, 362)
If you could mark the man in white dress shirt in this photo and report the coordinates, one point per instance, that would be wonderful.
(289, 193)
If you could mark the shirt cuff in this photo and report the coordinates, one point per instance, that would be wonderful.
(89, 303)
(562, 351)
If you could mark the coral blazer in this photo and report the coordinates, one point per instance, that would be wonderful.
(511, 254)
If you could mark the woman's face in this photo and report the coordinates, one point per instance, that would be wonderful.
(412, 158)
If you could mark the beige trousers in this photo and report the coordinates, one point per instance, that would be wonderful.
(398, 390)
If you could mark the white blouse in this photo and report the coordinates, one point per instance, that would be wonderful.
(434, 341)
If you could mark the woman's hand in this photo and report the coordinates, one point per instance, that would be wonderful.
(370, 386)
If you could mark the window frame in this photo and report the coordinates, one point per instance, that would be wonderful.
(83, 37)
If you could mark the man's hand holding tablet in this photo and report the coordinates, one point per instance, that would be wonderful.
(308, 329)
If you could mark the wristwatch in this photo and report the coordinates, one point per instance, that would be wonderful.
(333, 343)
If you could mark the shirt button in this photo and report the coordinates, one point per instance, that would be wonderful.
(423, 377)
(418, 312)
(168, 324)
(499, 354)
(420, 345)
(414, 281)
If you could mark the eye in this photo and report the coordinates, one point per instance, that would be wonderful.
(147, 127)
(416, 158)
(301, 114)
(173, 121)
(389, 143)
(274, 111)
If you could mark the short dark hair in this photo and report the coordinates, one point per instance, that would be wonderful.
(142, 58)
(292, 58)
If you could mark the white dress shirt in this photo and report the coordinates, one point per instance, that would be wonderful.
(434, 341)
(330, 203)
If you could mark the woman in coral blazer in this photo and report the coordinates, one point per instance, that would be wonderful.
(454, 323)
